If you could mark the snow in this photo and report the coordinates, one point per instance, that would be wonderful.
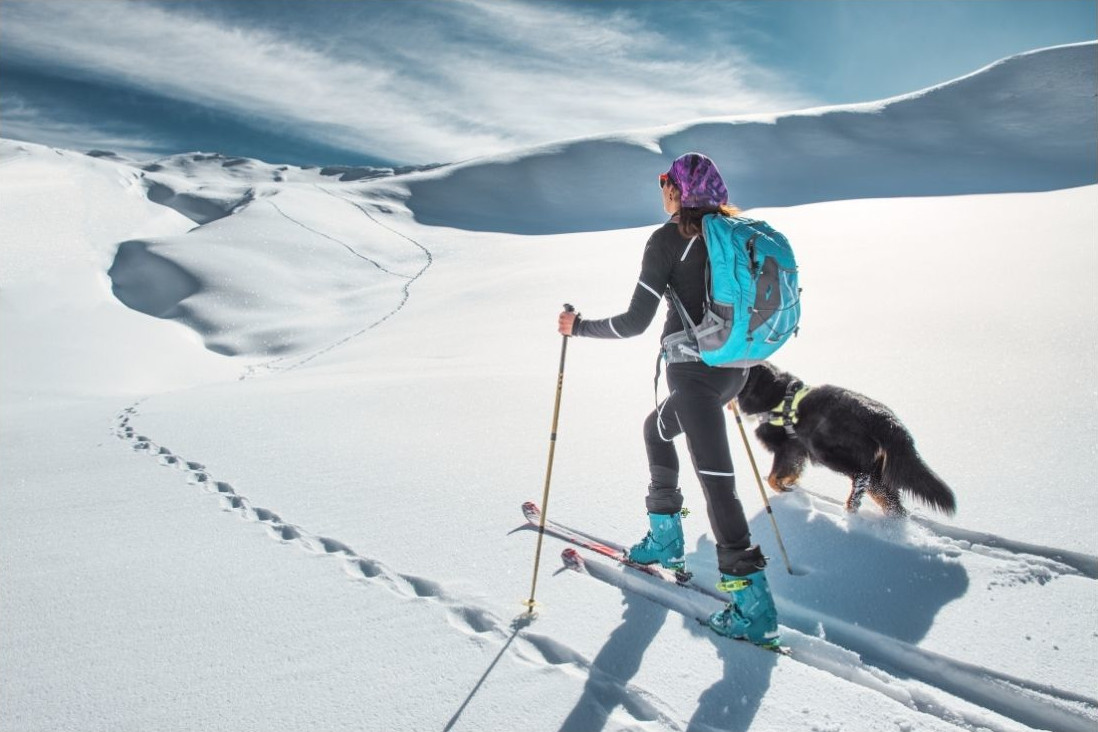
(265, 434)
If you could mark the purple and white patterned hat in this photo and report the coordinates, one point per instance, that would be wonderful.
(698, 180)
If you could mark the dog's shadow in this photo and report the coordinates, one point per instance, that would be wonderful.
(864, 569)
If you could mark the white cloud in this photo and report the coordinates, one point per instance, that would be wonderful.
(430, 82)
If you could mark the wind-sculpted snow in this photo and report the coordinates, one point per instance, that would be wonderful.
(200, 207)
(1027, 123)
(148, 282)
(291, 271)
(243, 280)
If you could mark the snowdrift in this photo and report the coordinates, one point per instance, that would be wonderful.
(1027, 123)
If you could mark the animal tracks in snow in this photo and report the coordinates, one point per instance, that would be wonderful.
(479, 623)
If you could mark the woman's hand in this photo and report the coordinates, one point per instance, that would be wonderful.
(565, 321)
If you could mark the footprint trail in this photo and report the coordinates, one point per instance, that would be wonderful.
(627, 702)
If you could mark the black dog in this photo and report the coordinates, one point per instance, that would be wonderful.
(844, 431)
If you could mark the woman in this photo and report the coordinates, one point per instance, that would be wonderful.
(675, 260)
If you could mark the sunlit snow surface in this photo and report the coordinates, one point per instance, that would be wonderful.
(265, 434)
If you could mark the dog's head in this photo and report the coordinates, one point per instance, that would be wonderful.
(764, 389)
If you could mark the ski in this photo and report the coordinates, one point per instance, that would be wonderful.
(574, 561)
(618, 553)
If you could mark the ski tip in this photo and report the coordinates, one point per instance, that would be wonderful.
(572, 559)
(531, 511)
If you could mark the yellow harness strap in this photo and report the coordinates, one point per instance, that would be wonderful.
(786, 413)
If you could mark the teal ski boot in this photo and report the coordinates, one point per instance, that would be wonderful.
(663, 543)
(751, 614)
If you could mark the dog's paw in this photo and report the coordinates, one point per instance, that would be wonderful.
(890, 504)
(781, 485)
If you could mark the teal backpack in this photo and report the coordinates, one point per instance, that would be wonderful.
(754, 297)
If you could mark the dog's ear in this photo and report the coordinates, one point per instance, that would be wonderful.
(762, 391)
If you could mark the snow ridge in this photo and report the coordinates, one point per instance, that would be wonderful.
(1027, 123)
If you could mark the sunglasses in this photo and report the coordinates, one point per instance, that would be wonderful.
(665, 180)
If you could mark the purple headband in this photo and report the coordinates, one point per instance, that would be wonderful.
(699, 181)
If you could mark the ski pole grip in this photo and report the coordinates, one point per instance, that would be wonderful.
(569, 308)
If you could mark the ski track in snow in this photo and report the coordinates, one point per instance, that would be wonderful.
(342, 243)
(274, 365)
(639, 705)
(899, 670)
(1024, 562)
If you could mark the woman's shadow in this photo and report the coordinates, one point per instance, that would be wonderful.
(616, 663)
(730, 704)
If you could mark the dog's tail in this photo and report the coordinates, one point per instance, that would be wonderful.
(904, 469)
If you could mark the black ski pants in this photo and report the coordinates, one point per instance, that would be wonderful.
(696, 407)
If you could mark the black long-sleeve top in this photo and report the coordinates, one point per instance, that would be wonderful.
(669, 260)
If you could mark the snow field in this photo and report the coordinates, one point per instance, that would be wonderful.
(322, 531)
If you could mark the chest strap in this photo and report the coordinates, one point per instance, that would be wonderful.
(785, 414)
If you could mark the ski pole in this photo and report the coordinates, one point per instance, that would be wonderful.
(549, 468)
(758, 479)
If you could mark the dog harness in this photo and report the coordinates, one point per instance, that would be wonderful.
(785, 414)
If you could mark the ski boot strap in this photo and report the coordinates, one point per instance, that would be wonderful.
(733, 584)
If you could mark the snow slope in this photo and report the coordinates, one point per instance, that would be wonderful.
(264, 435)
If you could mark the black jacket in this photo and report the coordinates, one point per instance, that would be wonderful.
(669, 260)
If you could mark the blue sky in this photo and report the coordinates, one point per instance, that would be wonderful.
(419, 81)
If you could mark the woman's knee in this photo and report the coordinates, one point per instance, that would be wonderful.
(656, 428)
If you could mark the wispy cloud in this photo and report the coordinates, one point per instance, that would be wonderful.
(22, 120)
(408, 81)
